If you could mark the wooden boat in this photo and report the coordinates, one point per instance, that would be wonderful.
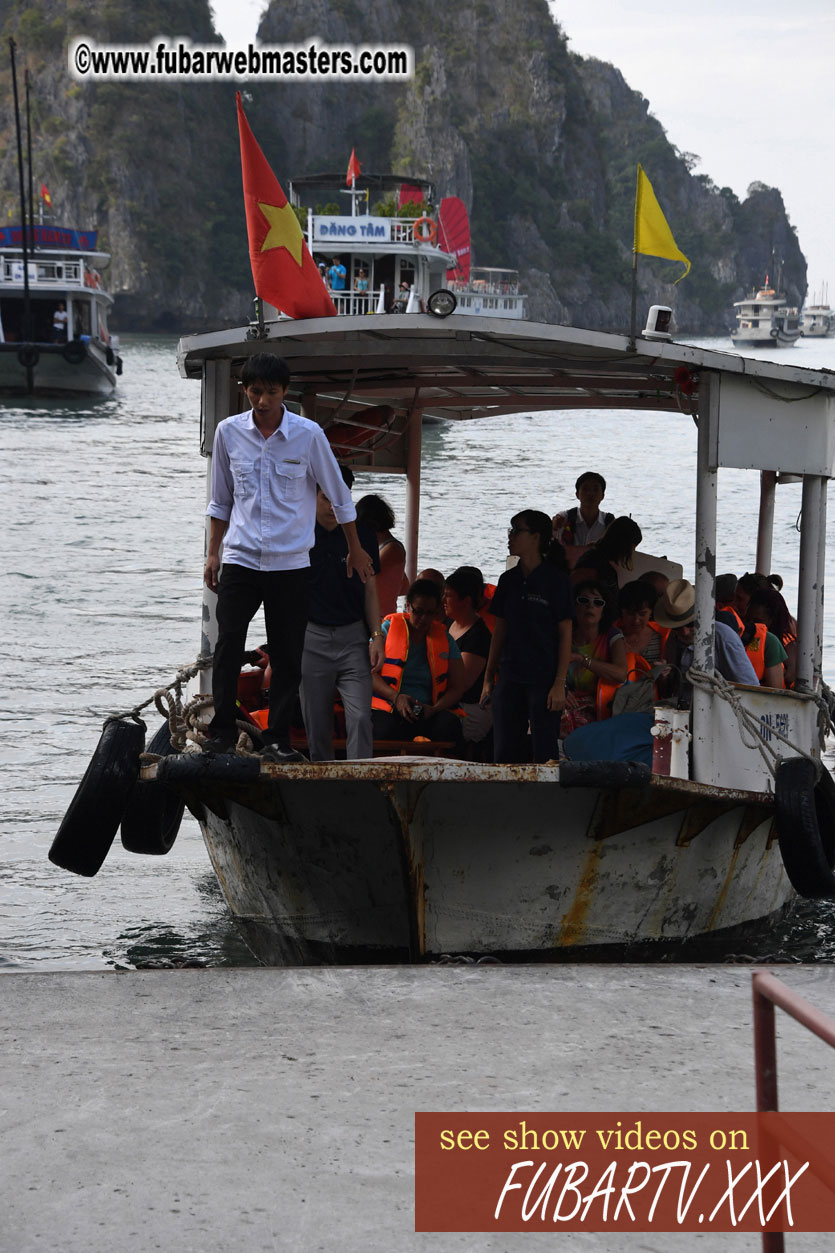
(413, 858)
(64, 270)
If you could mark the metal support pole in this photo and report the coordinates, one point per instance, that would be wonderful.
(817, 662)
(765, 529)
(215, 406)
(415, 434)
(810, 583)
(704, 644)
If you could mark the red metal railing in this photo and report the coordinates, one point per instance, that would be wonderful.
(769, 992)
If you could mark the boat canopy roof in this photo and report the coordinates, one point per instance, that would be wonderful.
(466, 366)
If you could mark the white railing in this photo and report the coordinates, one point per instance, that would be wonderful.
(42, 273)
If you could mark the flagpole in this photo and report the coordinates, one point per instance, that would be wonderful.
(633, 322)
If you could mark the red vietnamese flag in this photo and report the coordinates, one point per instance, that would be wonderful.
(353, 170)
(45, 196)
(283, 270)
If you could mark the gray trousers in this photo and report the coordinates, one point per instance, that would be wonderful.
(336, 657)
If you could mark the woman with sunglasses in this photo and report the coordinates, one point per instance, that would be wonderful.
(597, 652)
(531, 644)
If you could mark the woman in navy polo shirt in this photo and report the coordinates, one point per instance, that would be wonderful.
(531, 643)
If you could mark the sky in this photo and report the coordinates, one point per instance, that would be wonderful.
(745, 84)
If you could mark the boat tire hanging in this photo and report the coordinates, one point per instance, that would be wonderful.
(424, 231)
(28, 356)
(154, 812)
(805, 807)
(92, 820)
(75, 352)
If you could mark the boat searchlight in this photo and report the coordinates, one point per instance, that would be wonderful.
(658, 323)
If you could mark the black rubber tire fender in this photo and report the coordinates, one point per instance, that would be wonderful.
(92, 820)
(75, 352)
(154, 812)
(805, 812)
(604, 774)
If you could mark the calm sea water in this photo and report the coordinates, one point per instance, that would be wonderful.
(100, 604)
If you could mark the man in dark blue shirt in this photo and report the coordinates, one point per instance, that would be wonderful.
(343, 641)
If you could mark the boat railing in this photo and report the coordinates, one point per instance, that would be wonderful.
(46, 273)
(353, 303)
(484, 288)
(770, 992)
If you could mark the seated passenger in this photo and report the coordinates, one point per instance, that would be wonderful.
(581, 525)
(597, 652)
(750, 583)
(531, 644)
(724, 591)
(463, 594)
(607, 561)
(769, 607)
(422, 678)
(391, 579)
(676, 609)
(636, 602)
(766, 653)
(435, 576)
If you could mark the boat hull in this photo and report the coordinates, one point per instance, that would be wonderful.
(53, 374)
(393, 861)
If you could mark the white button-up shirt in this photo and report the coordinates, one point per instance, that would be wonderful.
(266, 490)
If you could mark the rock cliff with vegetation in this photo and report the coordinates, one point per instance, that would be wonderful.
(541, 145)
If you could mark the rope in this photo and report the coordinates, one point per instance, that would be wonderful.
(750, 726)
(184, 721)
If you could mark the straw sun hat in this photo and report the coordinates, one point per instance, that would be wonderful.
(677, 607)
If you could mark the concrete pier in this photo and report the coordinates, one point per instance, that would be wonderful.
(225, 1110)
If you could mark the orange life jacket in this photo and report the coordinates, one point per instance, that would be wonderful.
(755, 648)
(730, 609)
(484, 612)
(397, 651)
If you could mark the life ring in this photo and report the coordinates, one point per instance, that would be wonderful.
(92, 820)
(805, 815)
(430, 234)
(154, 813)
(28, 356)
(75, 352)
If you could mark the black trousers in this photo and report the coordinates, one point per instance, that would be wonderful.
(515, 705)
(284, 596)
(442, 726)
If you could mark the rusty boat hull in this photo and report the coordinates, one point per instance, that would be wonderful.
(407, 860)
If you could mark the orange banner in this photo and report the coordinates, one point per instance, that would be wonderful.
(625, 1172)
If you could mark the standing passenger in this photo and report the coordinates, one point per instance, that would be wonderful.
(266, 464)
(343, 641)
(531, 644)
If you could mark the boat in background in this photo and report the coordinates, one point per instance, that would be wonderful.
(765, 320)
(78, 356)
(396, 259)
(491, 293)
(817, 320)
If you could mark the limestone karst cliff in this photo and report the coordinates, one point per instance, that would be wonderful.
(541, 145)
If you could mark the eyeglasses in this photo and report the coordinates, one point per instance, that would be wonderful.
(591, 600)
(518, 530)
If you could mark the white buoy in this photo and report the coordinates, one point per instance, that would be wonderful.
(414, 304)
(381, 303)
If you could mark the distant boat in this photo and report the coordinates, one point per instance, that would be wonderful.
(818, 319)
(67, 348)
(395, 262)
(764, 320)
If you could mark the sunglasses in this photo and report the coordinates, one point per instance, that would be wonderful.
(591, 600)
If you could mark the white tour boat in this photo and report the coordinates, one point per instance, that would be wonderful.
(411, 857)
(764, 320)
(68, 354)
(394, 260)
(818, 319)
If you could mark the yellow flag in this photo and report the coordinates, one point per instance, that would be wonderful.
(653, 237)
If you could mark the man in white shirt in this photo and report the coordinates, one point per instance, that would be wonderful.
(584, 524)
(266, 465)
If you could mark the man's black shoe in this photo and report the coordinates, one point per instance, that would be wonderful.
(219, 744)
(282, 754)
